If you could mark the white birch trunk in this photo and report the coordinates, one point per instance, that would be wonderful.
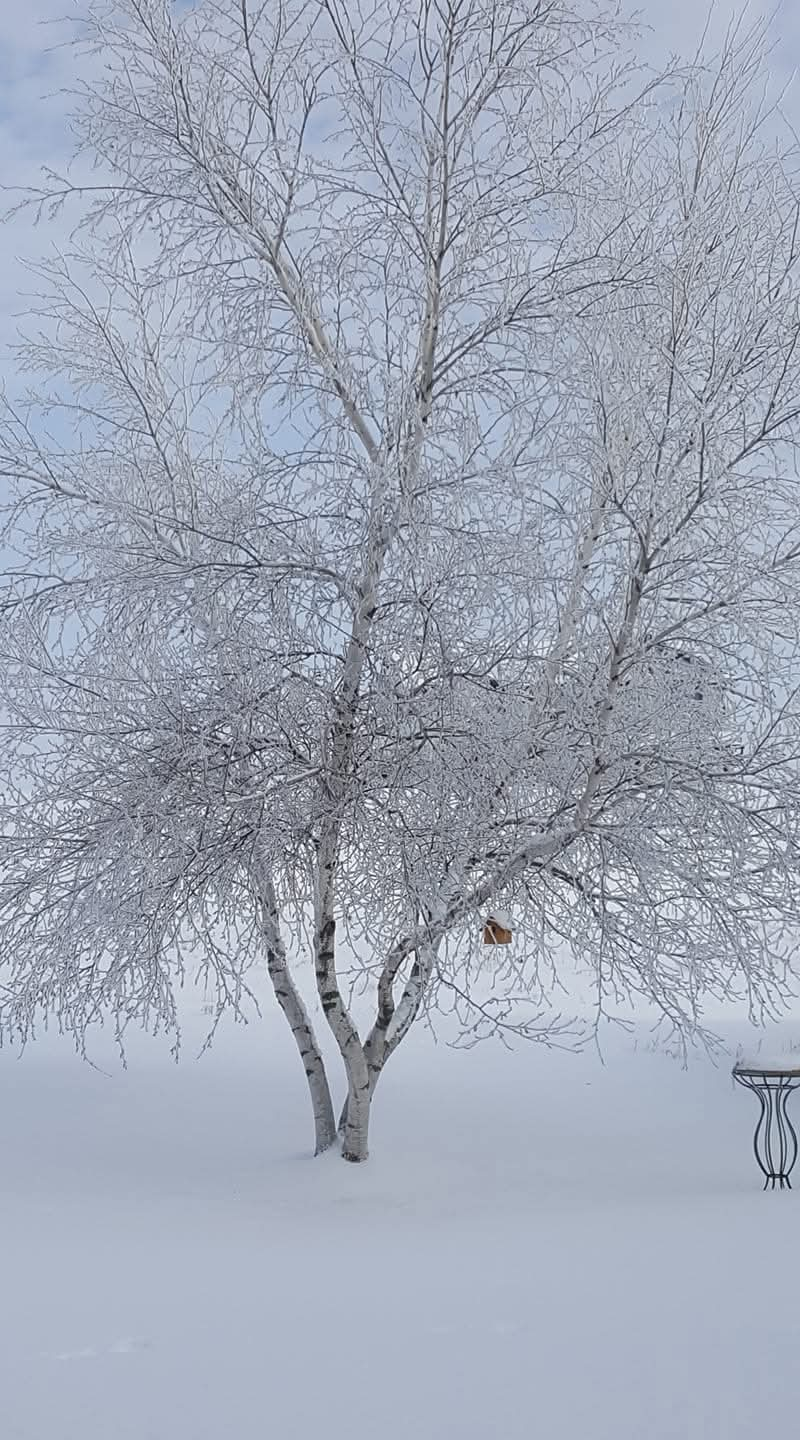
(393, 1024)
(355, 1140)
(355, 1136)
(291, 1003)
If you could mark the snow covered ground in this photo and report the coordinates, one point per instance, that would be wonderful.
(541, 1246)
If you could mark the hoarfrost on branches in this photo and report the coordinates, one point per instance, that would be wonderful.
(405, 528)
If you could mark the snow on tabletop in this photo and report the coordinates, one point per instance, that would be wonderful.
(769, 1060)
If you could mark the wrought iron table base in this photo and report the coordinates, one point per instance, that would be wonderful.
(775, 1140)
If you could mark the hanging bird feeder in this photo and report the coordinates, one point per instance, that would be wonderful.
(497, 930)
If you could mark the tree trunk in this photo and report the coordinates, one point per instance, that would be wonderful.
(290, 1001)
(374, 1076)
(325, 1132)
(359, 1093)
(355, 1118)
(391, 1026)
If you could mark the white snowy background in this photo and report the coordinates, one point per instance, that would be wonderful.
(543, 1245)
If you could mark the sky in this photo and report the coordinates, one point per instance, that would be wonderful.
(37, 65)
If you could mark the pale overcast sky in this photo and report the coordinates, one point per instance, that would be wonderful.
(34, 68)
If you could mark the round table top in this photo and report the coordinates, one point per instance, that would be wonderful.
(788, 1067)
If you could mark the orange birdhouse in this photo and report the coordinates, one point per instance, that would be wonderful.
(496, 931)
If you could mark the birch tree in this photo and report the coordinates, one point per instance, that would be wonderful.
(404, 527)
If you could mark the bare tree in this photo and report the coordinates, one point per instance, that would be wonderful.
(412, 530)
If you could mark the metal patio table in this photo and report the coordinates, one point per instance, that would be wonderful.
(775, 1139)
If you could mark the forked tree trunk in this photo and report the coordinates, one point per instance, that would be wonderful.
(355, 1139)
(374, 1076)
(393, 1023)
